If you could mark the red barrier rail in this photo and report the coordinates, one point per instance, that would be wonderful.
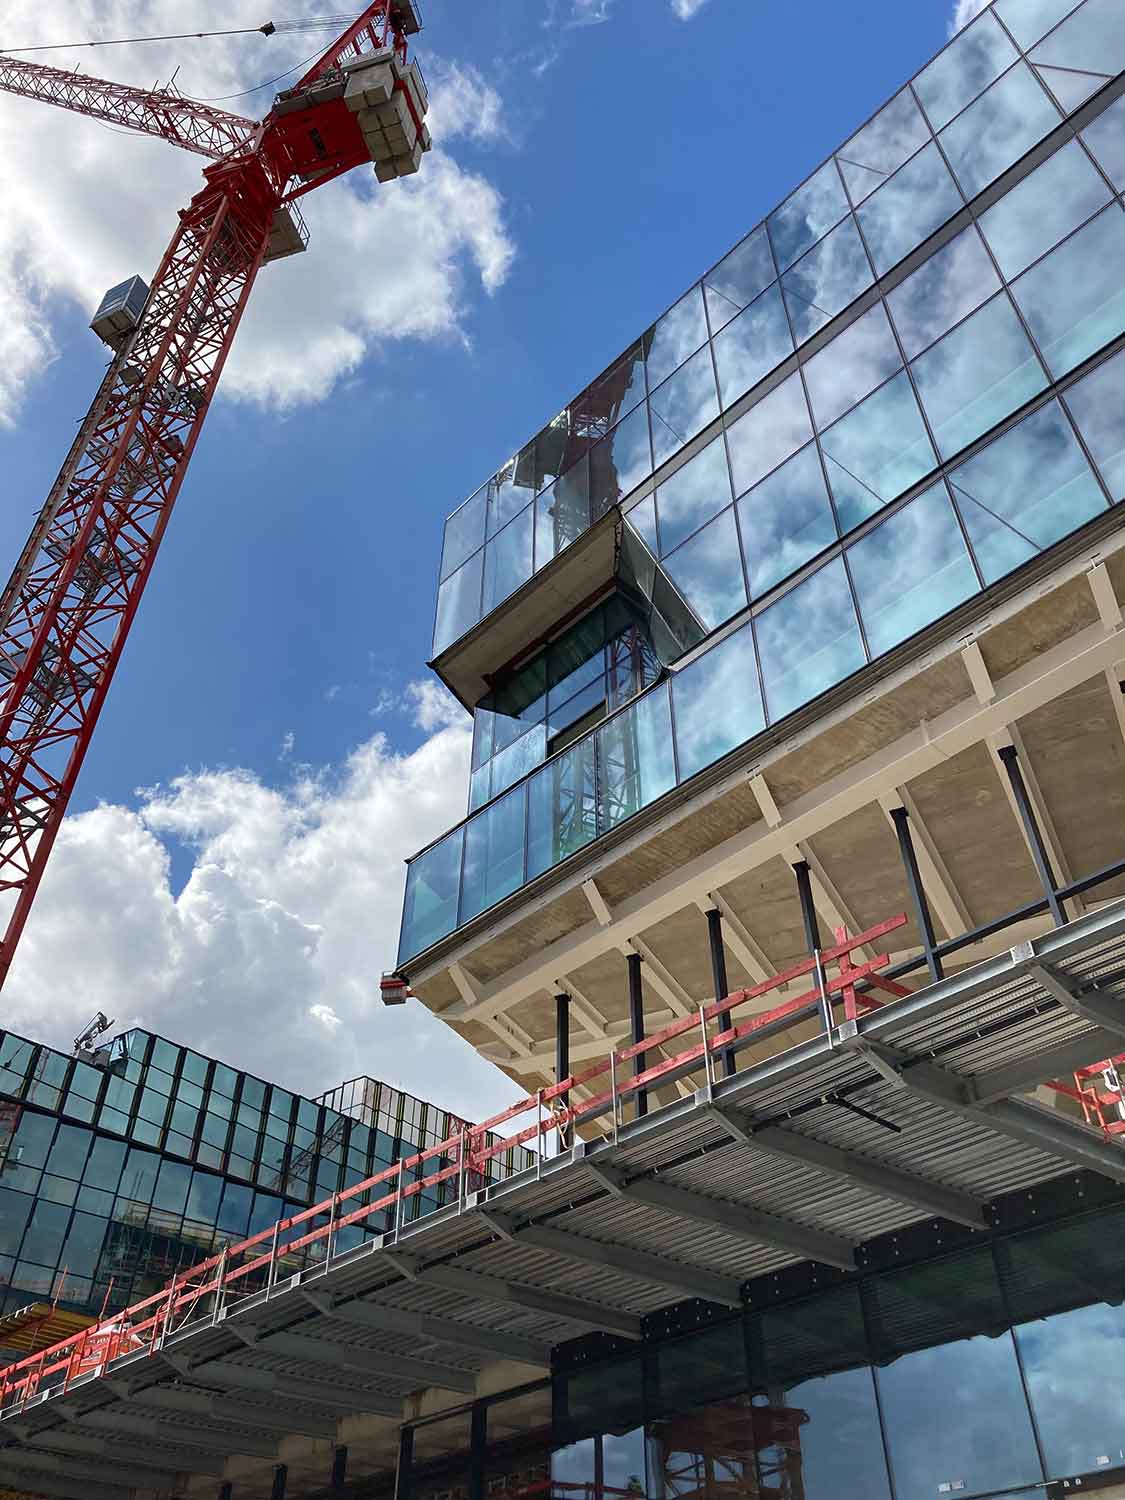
(146, 1323)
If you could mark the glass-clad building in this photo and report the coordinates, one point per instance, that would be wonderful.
(900, 389)
(118, 1173)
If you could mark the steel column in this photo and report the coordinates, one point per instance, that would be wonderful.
(1009, 757)
(339, 1468)
(637, 1020)
(562, 1037)
(226, 1490)
(404, 1470)
(808, 907)
(719, 973)
(280, 1477)
(901, 819)
(478, 1441)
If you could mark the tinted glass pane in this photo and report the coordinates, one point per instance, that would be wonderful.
(430, 909)
(83, 1245)
(830, 1428)
(103, 1165)
(910, 570)
(561, 808)
(679, 333)
(878, 450)
(994, 132)
(612, 394)
(562, 512)
(635, 762)
(683, 405)
(692, 495)
(1043, 208)
(45, 1233)
(717, 702)
(493, 854)
(642, 518)
(808, 640)
(941, 292)
(738, 278)
(854, 363)
(826, 280)
(32, 1141)
(979, 373)
(1106, 139)
(749, 347)
(508, 494)
(458, 605)
(15, 1059)
(1028, 20)
(908, 208)
(1096, 403)
(464, 533)
(1074, 301)
(803, 218)
(620, 461)
(768, 433)
(965, 69)
(68, 1154)
(708, 572)
(882, 146)
(785, 520)
(1025, 491)
(1091, 41)
(507, 560)
(1080, 1415)
(518, 759)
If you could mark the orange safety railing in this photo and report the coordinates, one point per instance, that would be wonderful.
(1099, 1090)
(200, 1293)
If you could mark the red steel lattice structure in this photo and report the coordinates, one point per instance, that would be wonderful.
(68, 607)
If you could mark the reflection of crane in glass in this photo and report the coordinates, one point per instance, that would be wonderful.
(631, 665)
(732, 1451)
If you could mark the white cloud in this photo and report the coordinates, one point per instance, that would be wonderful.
(269, 956)
(963, 13)
(685, 9)
(88, 207)
(432, 706)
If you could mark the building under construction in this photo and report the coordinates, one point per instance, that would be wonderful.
(789, 896)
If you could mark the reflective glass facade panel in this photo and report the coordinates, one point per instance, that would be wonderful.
(878, 450)
(908, 208)
(752, 344)
(977, 55)
(1041, 210)
(785, 520)
(1079, 1414)
(494, 854)
(679, 333)
(1005, 122)
(881, 147)
(739, 278)
(1074, 300)
(768, 433)
(683, 405)
(636, 761)
(808, 640)
(1091, 41)
(507, 560)
(1029, 20)
(942, 291)
(707, 570)
(807, 215)
(1095, 404)
(854, 363)
(458, 606)
(620, 461)
(692, 496)
(561, 808)
(826, 280)
(1105, 137)
(718, 702)
(433, 888)
(464, 533)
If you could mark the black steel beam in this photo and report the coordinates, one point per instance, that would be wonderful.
(901, 820)
(1009, 758)
(808, 907)
(637, 1020)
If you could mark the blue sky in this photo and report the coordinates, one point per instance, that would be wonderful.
(614, 149)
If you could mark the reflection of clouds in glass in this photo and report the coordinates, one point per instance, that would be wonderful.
(518, 758)
(642, 518)
(748, 348)
(1096, 404)
(841, 1446)
(808, 640)
(695, 492)
(432, 884)
(1026, 490)
(678, 334)
(1092, 40)
(874, 152)
(1042, 209)
(785, 520)
(464, 532)
(458, 604)
(768, 433)
(739, 277)
(612, 394)
(994, 132)
(949, 285)
(803, 218)
(1073, 300)
(968, 65)
(878, 450)
(620, 461)
(707, 570)
(1028, 20)
(911, 570)
(1105, 137)
(908, 208)
(507, 560)
(826, 280)
(976, 375)
(1079, 1406)
(856, 361)
(686, 402)
(635, 761)
(718, 702)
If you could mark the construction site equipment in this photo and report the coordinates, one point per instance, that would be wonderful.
(72, 597)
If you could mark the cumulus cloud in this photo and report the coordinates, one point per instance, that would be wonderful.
(963, 13)
(89, 206)
(685, 9)
(269, 955)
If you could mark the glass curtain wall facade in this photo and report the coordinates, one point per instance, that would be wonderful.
(115, 1177)
(917, 395)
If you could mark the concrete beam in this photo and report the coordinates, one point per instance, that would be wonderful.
(490, 1288)
(416, 1373)
(1108, 605)
(360, 1313)
(598, 904)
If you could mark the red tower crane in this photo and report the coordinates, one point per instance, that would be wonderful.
(66, 611)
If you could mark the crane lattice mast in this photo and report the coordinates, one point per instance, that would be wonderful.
(72, 597)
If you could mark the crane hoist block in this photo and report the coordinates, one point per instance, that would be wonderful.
(119, 312)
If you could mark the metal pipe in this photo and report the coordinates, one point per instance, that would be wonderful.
(1010, 760)
(719, 978)
(637, 1021)
(901, 819)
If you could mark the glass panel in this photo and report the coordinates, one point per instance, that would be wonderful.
(1080, 1414)
(430, 907)
(68, 1154)
(941, 292)
(1095, 404)
(519, 758)
(1091, 41)
(803, 218)
(683, 406)
(979, 373)
(83, 1245)
(562, 512)
(1061, 194)
(32, 1140)
(785, 520)
(1025, 491)
(749, 347)
(642, 518)
(561, 808)
(738, 278)
(1028, 20)
(493, 854)
(854, 363)
(907, 209)
(15, 1059)
(635, 760)
(165, 1055)
(507, 561)
(613, 394)
(718, 702)
(464, 533)
(768, 433)
(620, 461)
(1105, 137)
(808, 640)
(458, 603)
(878, 450)
(678, 334)
(692, 495)
(881, 147)
(910, 570)
(708, 572)
(46, 1228)
(507, 496)
(826, 280)
(965, 69)
(827, 1432)
(103, 1167)
(1074, 301)
(994, 132)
